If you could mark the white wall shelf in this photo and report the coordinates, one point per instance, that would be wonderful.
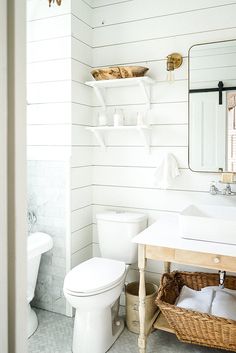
(143, 82)
(143, 130)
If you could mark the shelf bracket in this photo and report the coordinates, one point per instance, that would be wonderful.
(145, 135)
(143, 130)
(100, 95)
(147, 93)
(100, 138)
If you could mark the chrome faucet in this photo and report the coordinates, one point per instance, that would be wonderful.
(32, 219)
(213, 189)
(227, 191)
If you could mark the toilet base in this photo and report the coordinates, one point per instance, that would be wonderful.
(32, 321)
(94, 331)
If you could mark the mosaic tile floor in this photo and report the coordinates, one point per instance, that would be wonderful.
(54, 335)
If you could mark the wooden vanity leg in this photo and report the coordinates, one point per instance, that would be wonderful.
(142, 296)
(167, 266)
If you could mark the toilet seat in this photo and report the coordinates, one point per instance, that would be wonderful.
(94, 276)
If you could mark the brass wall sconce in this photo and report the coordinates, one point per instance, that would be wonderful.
(174, 61)
(57, 1)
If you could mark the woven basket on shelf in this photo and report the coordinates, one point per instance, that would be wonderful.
(191, 326)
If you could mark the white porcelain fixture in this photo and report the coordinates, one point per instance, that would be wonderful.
(209, 223)
(38, 243)
(94, 287)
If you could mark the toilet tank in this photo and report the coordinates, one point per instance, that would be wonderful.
(115, 233)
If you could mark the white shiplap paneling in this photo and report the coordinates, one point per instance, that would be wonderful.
(143, 177)
(46, 28)
(81, 218)
(81, 176)
(82, 10)
(137, 156)
(82, 114)
(156, 49)
(51, 49)
(133, 32)
(166, 26)
(49, 113)
(37, 10)
(45, 71)
(163, 200)
(135, 10)
(81, 238)
(81, 255)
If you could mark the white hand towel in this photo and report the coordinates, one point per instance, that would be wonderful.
(218, 289)
(166, 171)
(224, 305)
(191, 299)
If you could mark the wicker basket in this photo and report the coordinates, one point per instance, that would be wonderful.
(191, 326)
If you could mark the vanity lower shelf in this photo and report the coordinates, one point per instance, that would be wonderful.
(162, 324)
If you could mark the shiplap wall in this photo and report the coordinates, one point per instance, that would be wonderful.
(49, 141)
(81, 117)
(144, 33)
(63, 45)
(59, 110)
(49, 80)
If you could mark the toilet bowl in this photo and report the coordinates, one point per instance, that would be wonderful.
(94, 287)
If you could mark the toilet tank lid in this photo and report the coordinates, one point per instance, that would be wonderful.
(115, 216)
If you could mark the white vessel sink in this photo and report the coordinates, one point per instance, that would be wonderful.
(209, 223)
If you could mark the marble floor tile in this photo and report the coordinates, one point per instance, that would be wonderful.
(54, 335)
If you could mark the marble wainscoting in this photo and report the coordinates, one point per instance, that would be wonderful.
(47, 199)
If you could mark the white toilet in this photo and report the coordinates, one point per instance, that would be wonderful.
(94, 287)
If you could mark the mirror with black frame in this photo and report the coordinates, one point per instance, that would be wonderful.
(212, 107)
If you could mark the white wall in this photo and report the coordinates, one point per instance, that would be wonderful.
(49, 141)
(49, 80)
(64, 44)
(59, 146)
(144, 33)
(81, 140)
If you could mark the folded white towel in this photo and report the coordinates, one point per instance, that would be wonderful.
(224, 305)
(195, 300)
(166, 171)
(218, 289)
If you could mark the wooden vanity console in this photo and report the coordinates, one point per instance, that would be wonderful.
(162, 241)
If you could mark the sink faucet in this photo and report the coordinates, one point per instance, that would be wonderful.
(213, 189)
(32, 219)
(227, 191)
